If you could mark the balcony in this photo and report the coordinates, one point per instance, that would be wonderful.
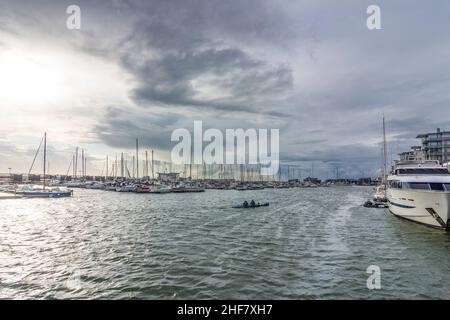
(437, 154)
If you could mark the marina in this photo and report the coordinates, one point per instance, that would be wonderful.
(308, 244)
(314, 236)
(180, 237)
(224, 150)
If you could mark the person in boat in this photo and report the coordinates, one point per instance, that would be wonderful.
(252, 203)
(245, 204)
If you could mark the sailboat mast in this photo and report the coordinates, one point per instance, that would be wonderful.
(146, 164)
(115, 169)
(35, 156)
(384, 154)
(82, 164)
(76, 162)
(190, 165)
(137, 159)
(45, 155)
(122, 172)
(153, 173)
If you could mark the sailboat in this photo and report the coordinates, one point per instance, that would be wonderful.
(38, 191)
(379, 199)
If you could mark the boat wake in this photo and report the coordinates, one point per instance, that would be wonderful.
(339, 221)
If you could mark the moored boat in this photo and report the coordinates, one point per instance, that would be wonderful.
(30, 191)
(96, 186)
(420, 192)
(182, 188)
(143, 188)
(47, 194)
(160, 188)
(43, 191)
(126, 188)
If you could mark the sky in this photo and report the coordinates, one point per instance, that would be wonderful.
(141, 69)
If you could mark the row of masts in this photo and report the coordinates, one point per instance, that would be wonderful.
(151, 169)
(74, 164)
(196, 171)
(119, 168)
(123, 168)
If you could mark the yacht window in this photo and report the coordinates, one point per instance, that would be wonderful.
(437, 186)
(420, 186)
(395, 184)
(447, 186)
(423, 171)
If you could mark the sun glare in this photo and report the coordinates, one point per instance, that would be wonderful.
(26, 79)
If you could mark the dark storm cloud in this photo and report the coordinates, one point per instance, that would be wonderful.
(177, 59)
(310, 68)
(177, 48)
(180, 22)
(184, 59)
(120, 127)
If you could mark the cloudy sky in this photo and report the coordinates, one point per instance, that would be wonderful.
(140, 69)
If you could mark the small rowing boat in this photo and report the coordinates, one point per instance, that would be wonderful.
(240, 206)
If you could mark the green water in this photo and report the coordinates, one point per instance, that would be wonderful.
(309, 244)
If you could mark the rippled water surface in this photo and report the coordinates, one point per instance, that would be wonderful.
(310, 243)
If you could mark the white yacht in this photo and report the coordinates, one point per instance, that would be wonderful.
(420, 191)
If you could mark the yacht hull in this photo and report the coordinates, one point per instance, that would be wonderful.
(53, 194)
(426, 207)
